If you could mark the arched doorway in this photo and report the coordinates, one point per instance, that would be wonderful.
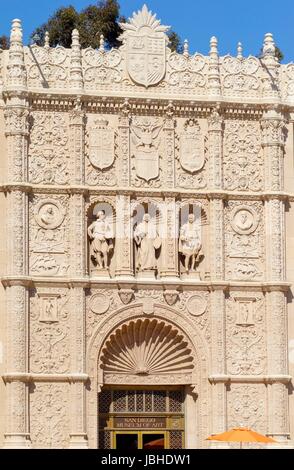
(147, 381)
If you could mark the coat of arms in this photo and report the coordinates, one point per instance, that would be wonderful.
(145, 139)
(145, 41)
(101, 144)
(192, 156)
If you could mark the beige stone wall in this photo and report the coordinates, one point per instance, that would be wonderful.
(87, 130)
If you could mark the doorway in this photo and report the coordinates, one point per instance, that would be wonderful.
(139, 440)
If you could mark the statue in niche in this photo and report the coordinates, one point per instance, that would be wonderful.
(101, 234)
(190, 244)
(147, 239)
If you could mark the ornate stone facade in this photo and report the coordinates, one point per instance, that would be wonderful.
(146, 200)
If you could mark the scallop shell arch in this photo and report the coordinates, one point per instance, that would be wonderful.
(144, 347)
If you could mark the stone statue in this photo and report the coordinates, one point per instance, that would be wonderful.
(100, 232)
(190, 243)
(147, 240)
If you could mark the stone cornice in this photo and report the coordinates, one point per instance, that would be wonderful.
(266, 379)
(119, 282)
(163, 192)
(30, 377)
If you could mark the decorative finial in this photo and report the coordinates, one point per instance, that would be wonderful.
(269, 47)
(186, 48)
(101, 43)
(16, 32)
(239, 50)
(213, 46)
(47, 40)
(75, 37)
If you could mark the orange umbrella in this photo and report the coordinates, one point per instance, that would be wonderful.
(240, 435)
(157, 444)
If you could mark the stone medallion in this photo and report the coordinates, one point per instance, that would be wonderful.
(196, 305)
(49, 214)
(244, 220)
(99, 303)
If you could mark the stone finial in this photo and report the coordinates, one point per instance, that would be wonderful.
(239, 50)
(16, 32)
(269, 47)
(101, 43)
(213, 47)
(47, 40)
(186, 48)
(75, 38)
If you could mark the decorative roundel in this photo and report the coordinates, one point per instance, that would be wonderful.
(99, 303)
(49, 214)
(244, 220)
(196, 305)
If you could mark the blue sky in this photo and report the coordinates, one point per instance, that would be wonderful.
(230, 20)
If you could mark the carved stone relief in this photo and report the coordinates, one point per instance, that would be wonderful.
(49, 415)
(47, 67)
(247, 407)
(100, 152)
(246, 334)
(49, 331)
(243, 157)
(49, 235)
(49, 154)
(241, 76)
(243, 240)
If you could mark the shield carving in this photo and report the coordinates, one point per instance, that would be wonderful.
(101, 145)
(146, 58)
(192, 157)
(147, 163)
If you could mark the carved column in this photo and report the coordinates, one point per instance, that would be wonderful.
(77, 142)
(76, 70)
(215, 142)
(124, 237)
(275, 223)
(169, 139)
(169, 248)
(78, 436)
(16, 117)
(214, 84)
(277, 365)
(124, 145)
(270, 69)
(217, 239)
(273, 142)
(218, 360)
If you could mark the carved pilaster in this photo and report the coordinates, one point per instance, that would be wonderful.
(169, 248)
(16, 119)
(169, 135)
(217, 243)
(215, 142)
(275, 224)
(124, 145)
(16, 433)
(218, 359)
(16, 72)
(78, 437)
(78, 236)
(270, 69)
(273, 141)
(124, 237)
(77, 142)
(277, 363)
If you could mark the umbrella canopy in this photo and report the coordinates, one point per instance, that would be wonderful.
(240, 435)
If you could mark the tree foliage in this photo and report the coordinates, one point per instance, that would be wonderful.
(4, 42)
(175, 42)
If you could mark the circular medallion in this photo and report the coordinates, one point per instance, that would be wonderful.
(197, 305)
(99, 303)
(49, 214)
(244, 220)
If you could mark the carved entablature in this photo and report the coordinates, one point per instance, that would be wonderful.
(49, 235)
(244, 244)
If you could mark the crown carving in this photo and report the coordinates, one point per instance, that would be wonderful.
(144, 19)
(101, 123)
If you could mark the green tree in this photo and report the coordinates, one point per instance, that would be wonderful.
(175, 42)
(278, 54)
(4, 42)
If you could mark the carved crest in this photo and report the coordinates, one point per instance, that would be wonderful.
(145, 41)
(126, 295)
(171, 296)
(101, 144)
(145, 138)
(192, 156)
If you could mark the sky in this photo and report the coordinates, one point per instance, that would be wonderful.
(196, 20)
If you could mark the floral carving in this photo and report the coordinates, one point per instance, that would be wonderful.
(49, 154)
(247, 407)
(240, 76)
(47, 67)
(243, 160)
